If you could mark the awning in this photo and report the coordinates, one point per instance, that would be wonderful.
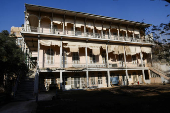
(138, 50)
(130, 50)
(123, 29)
(111, 48)
(121, 49)
(95, 48)
(50, 42)
(146, 49)
(68, 20)
(114, 27)
(98, 26)
(79, 25)
(57, 22)
(136, 31)
(116, 49)
(72, 45)
(74, 49)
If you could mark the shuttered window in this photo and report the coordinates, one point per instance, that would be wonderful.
(50, 56)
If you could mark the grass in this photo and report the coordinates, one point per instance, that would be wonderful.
(133, 99)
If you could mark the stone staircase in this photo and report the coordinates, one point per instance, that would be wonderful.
(161, 73)
(25, 88)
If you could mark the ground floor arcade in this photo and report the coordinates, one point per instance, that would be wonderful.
(90, 79)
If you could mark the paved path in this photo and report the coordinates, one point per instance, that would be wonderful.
(26, 106)
(19, 107)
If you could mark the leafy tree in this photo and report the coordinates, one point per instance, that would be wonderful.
(11, 58)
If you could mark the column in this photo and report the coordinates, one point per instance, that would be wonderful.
(24, 50)
(118, 32)
(37, 74)
(107, 63)
(142, 64)
(93, 28)
(127, 77)
(133, 34)
(64, 24)
(139, 33)
(85, 27)
(126, 33)
(51, 27)
(86, 55)
(25, 21)
(38, 53)
(149, 72)
(108, 77)
(74, 26)
(102, 30)
(110, 32)
(39, 25)
(151, 57)
(61, 80)
(125, 56)
(87, 76)
(61, 47)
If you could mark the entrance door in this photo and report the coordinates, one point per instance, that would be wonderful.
(124, 80)
(100, 80)
(66, 83)
(77, 81)
(140, 79)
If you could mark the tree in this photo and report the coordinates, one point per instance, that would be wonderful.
(11, 58)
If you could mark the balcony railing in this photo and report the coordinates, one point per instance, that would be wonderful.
(87, 34)
(68, 65)
(117, 64)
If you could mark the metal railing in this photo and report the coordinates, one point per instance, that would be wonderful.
(87, 34)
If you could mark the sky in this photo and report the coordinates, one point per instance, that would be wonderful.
(148, 11)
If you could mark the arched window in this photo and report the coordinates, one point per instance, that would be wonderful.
(50, 56)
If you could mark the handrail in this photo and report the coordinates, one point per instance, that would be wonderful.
(86, 34)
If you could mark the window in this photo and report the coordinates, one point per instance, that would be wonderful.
(134, 59)
(129, 76)
(50, 56)
(137, 36)
(92, 79)
(92, 58)
(104, 33)
(99, 78)
(104, 57)
(19, 41)
(105, 74)
(75, 57)
(121, 34)
(114, 33)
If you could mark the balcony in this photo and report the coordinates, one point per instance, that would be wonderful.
(86, 34)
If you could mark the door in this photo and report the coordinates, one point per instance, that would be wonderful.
(140, 79)
(124, 80)
(77, 81)
(100, 80)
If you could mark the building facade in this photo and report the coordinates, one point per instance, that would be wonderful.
(78, 50)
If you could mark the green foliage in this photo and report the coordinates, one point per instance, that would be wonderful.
(11, 56)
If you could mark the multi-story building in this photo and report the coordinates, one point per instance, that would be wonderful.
(77, 50)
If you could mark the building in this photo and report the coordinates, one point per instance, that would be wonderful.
(78, 50)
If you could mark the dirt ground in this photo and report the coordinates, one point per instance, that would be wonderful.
(131, 99)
